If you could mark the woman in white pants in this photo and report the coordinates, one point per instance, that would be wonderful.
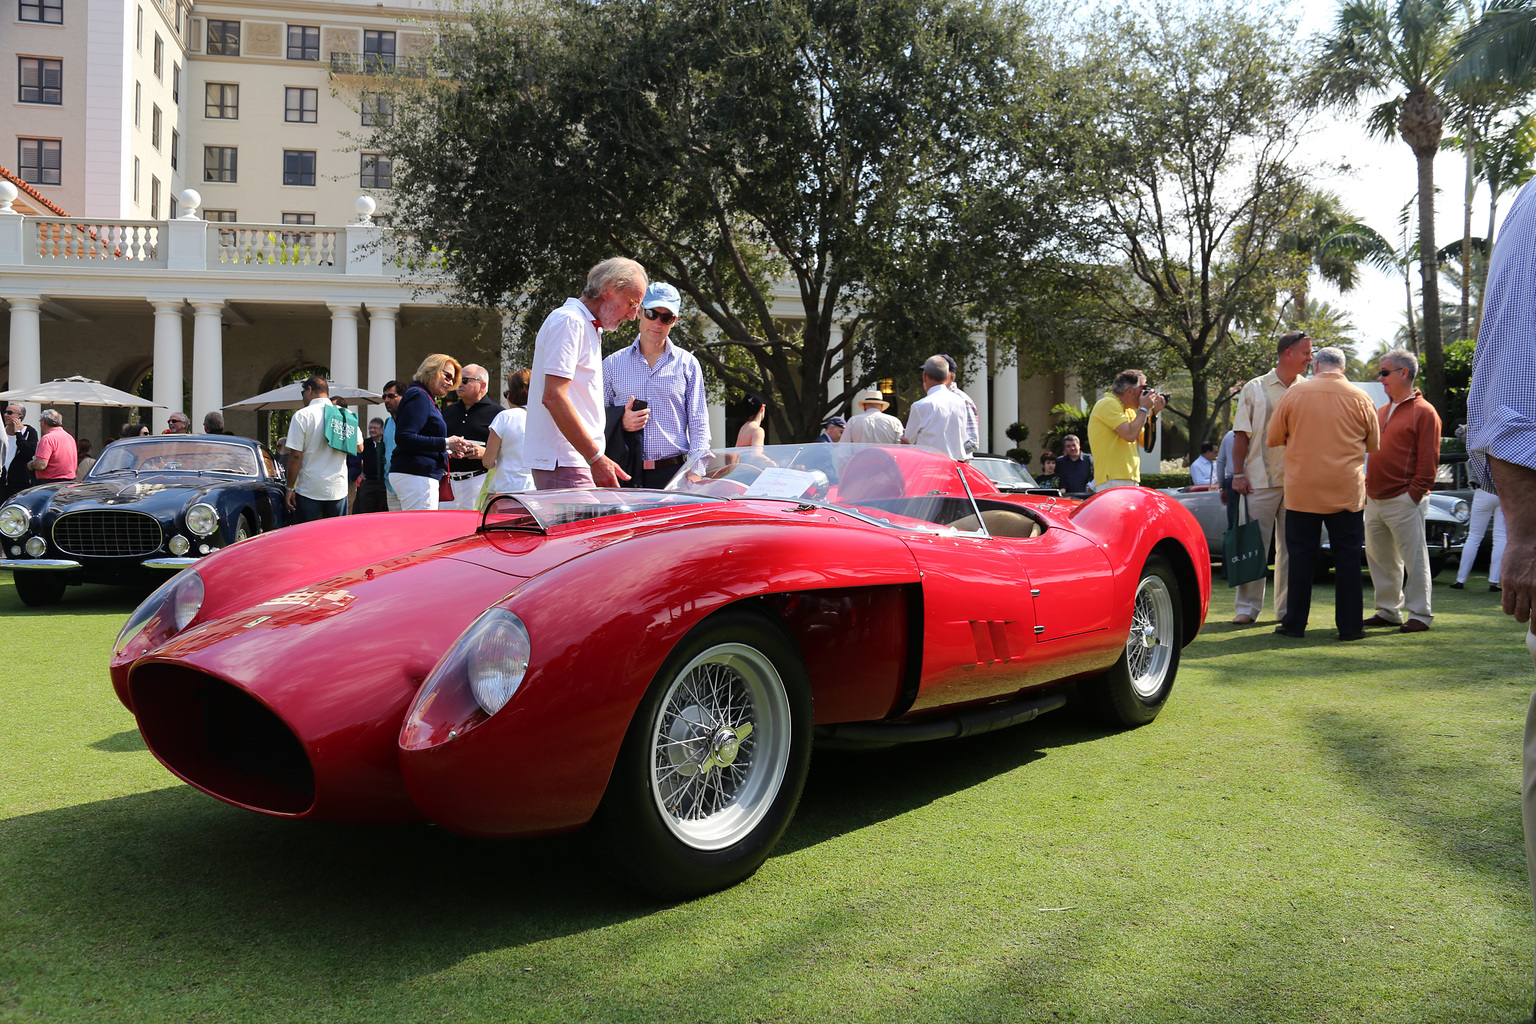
(1485, 507)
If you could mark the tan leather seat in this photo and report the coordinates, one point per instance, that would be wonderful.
(1002, 523)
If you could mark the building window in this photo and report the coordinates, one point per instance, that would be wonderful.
(159, 57)
(135, 179)
(177, 4)
(138, 103)
(378, 171)
(41, 161)
(219, 163)
(49, 12)
(303, 42)
(221, 100)
(175, 147)
(176, 81)
(42, 80)
(220, 216)
(224, 38)
(298, 237)
(154, 198)
(298, 167)
(377, 110)
(378, 50)
(175, 208)
(138, 31)
(154, 126)
(300, 104)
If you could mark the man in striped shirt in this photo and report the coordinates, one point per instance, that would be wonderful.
(1501, 437)
(669, 380)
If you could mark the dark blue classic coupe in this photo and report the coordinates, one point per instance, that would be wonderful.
(149, 507)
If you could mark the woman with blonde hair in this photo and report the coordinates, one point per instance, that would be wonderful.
(504, 457)
(422, 444)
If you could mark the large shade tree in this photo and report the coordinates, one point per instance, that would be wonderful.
(1402, 51)
(871, 152)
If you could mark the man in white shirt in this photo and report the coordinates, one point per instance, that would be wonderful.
(937, 420)
(317, 472)
(874, 425)
(1200, 471)
(564, 440)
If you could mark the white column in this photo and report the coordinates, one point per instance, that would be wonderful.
(975, 385)
(168, 362)
(26, 347)
(1005, 396)
(717, 426)
(835, 384)
(344, 342)
(207, 360)
(381, 351)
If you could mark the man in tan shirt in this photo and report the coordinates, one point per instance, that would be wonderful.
(1327, 426)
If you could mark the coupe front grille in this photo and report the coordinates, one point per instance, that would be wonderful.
(107, 534)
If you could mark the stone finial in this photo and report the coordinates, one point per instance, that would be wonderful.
(191, 199)
(8, 194)
(365, 206)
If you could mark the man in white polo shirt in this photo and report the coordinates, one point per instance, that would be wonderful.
(566, 420)
(317, 471)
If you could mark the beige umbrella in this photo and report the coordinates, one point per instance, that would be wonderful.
(76, 391)
(287, 397)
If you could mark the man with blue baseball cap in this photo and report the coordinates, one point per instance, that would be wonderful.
(670, 383)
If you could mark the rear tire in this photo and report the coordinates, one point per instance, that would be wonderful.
(1135, 689)
(714, 761)
(39, 588)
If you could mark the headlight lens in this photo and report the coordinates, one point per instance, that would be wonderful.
(36, 547)
(478, 676)
(1462, 511)
(164, 613)
(14, 520)
(202, 520)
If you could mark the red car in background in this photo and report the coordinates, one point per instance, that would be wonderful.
(657, 664)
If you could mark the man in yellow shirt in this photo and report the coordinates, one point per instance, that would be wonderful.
(1114, 426)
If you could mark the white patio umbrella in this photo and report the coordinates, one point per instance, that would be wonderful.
(287, 397)
(76, 391)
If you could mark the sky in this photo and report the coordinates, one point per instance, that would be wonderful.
(1383, 180)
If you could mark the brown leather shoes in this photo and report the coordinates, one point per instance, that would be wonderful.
(1413, 626)
(1377, 622)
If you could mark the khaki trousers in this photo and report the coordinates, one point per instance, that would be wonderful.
(1267, 506)
(1394, 545)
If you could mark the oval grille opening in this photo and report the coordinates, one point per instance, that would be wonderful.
(107, 534)
(222, 740)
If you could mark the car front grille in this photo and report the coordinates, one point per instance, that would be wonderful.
(107, 534)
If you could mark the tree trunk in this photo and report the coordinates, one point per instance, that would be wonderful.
(1421, 126)
(1493, 210)
(1469, 143)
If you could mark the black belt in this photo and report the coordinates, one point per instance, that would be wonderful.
(667, 463)
(465, 476)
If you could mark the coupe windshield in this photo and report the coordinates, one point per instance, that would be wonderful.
(175, 455)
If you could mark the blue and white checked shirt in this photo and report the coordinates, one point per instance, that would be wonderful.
(679, 423)
(972, 419)
(1501, 407)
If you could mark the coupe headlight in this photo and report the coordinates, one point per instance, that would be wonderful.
(1462, 511)
(14, 520)
(478, 676)
(164, 613)
(202, 520)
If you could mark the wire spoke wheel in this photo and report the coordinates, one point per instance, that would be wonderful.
(719, 746)
(1150, 645)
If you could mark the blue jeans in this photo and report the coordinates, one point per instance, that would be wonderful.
(1303, 541)
(310, 509)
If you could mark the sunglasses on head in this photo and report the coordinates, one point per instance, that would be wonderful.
(662, 315)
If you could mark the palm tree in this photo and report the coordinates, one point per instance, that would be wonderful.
(1500, 46)
(1320, 217)
(1369, 246)
(1405, 51)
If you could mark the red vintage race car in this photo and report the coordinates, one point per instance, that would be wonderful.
(655, 663)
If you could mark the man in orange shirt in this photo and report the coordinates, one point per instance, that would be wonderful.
(1327, 426)
(1396, 483)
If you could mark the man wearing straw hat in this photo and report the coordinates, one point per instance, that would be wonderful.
(873, 425)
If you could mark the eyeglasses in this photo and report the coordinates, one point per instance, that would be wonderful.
(391, 397)
(662, 315)
(1388, 373)
(449, 376)
(471, 380)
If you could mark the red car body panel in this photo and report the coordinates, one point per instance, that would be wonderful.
(322, 636)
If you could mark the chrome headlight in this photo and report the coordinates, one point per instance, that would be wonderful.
(14, 520)
(1462, 511)
(36, 547)
(164, 613)
(202, 520)
(478, 676)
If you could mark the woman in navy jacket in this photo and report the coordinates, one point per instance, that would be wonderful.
(421, 437)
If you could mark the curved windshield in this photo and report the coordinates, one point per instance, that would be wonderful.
(1005, 473)
(175, 455)
(903, 487)
(540, 510)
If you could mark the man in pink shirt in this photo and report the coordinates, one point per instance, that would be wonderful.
(56, 458)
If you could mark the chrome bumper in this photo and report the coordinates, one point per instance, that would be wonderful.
(39, 563)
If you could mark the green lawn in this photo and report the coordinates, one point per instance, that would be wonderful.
(1310, 832)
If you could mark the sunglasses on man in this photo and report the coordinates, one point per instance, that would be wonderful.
(662, 315)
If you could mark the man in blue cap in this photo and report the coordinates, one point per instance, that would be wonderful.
(674, 417)
(832, 430)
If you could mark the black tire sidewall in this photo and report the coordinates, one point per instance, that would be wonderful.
(1118, 701)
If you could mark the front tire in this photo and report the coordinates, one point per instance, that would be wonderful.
(38, 588)
(1137, 686)
(714, 761)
